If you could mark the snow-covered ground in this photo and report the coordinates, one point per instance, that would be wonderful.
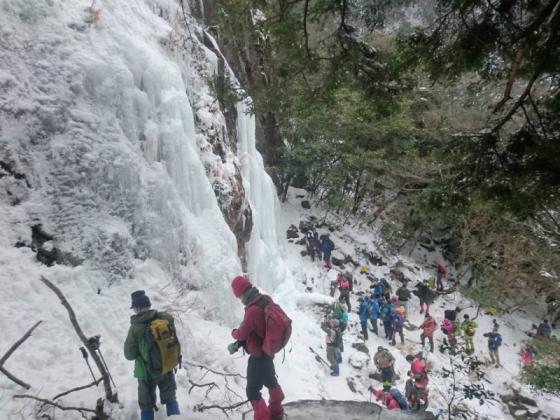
(112, 129)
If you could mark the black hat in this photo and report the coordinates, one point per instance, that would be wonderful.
(140, 300)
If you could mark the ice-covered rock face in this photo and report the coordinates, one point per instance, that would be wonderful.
(97, 114)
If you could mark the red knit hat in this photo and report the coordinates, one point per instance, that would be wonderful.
(240, 284)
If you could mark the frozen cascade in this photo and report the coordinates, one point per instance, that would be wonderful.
(265, 249)
(117, 169)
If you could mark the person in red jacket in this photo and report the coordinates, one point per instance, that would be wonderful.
(429, 326)
(260, 367)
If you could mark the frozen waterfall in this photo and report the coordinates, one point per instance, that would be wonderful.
(266, 266)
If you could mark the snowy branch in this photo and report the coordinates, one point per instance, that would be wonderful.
(79, 388)
(60, 407)
(112, 397)
(225, 408)
(10, 352)
(214, 371)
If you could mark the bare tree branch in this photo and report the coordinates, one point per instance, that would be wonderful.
(111, 397)
(213, 371)
(60, 407)
(79, 388)
(225, 408)
(10, 352)
(13, 378)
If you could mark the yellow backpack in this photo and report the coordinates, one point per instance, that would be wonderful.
(164, 349)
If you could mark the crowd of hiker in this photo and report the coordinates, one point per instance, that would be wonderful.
(153, 344)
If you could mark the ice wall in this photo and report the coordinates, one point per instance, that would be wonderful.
(266, 263)
(94, 111)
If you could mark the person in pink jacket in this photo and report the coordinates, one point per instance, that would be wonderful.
(428, 326)
(260, 367)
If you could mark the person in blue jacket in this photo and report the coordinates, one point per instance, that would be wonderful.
(386, 314)
(373, 313)
(494, 342)
(377, 287)
(363, 312)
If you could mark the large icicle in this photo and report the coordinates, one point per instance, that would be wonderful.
(265, 250)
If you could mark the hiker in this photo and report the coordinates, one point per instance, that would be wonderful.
(398, 324)
(451, 327)
(373, 313)
(344, 287)
(327, 247)
(544, 330)
(260, 367)
(384, 361)
(387, 288)
(404, 296)
(418, 370)
(363, 313)
(150, 367)
(391, 397)
(416, 392)
(313, 246)
(428, 328)
(386, 314)
(527, 356)
(468, 328)
(425, 295)
(494, 342)
(377, 287)
(441, 273)
(334, 336)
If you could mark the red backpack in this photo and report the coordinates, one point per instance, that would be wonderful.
(344, 284)
(278, 328)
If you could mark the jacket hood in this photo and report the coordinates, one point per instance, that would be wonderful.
(143, 317)
(250, 296)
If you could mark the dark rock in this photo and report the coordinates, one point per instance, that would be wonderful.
(21, 244)
(292, 232)
(301, 241)
(309, 289)
(429, 248)
(306, 204)
(373, 259)
(7, 169)
(303, 253)
(361, 347)
(300, 196)
(425, 239)
(337, 262)
(398, 275)
(349, 260)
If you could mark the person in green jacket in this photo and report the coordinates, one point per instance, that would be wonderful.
(468, 328)
(136, 348)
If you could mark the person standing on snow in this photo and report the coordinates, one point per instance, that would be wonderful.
(363, 313)
(136, 347)
(327, 247)
(398, 324)
(468, 328)
(424, 293)
(384, 361)
(373, 313)
(333, 340)
(441, 273)
(404, 295)
(494, 343)
(260, 367)
(428, 326)
(313, 246)
(345, 287)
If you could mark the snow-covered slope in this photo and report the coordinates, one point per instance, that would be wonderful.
(111, 140)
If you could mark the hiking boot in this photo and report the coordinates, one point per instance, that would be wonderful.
(147, 415)
(335, 374)
(172, 408)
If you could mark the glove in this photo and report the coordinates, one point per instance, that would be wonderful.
(233, 347)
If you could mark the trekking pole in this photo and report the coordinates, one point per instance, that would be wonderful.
(94, 343)
(85, 356)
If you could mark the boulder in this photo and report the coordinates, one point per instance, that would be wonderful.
(359, 360)
(292, 232)
(306, 204)
(361, 347)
